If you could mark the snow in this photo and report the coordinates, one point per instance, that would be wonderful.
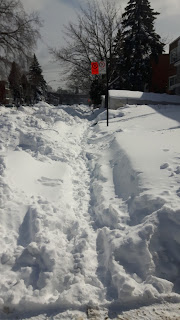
(144, 95)
(119, 98)
(90, 214)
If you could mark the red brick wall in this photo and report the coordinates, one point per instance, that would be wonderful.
(160, 74)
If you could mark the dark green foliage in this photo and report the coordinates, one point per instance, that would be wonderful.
(15, 82)
(117, 62)
(26, 89)
(139, 45)
(96, 91)
(36, 80)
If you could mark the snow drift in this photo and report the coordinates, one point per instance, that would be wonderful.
(90, 214)
(119, 98)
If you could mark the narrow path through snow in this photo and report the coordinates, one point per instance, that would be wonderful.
(89, 217)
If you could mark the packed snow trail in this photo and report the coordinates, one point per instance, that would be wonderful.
(53, 245)
(89, 216)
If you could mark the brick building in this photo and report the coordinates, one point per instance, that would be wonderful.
(174, 67)
(160, 74)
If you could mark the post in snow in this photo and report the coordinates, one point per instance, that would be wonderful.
(101, 67)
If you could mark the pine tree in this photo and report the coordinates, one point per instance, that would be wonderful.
(15, 82)
(96, 91)
(117, 61)
(140, 44)
(36, 80)
(26, 92)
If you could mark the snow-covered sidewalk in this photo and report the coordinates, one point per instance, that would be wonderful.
(90, 214)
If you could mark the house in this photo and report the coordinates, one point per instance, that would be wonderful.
(5, 93)
(160, 74)
(174, 67)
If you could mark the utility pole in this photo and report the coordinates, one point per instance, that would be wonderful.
(107, 93)
(101, 67)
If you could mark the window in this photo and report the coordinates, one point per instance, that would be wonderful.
(173, 55)
(178, 52)
(172, 82)
(178, 75)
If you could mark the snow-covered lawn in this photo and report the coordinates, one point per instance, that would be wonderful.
(90, 214)
(119, 98)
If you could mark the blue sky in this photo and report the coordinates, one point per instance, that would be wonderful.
(57, 13)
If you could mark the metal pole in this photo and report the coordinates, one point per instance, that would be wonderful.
(107, 93)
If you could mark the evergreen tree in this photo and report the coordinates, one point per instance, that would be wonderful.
(26, 90)
(36, 80)
(96, 91)
(140, 44)
(15, 82)
(117, 61)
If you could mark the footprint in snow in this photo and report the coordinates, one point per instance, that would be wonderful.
(119, 130)
(178, 192)
(164, 165)
(177, 170)
(50, 182)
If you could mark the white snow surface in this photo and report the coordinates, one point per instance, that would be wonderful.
(147, 96)
(90, 214)
(120, 98)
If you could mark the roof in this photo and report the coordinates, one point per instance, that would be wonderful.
(175, 40)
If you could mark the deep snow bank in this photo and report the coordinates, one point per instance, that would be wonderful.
(119, 98)
(90, 214)
(135, 196)
(48, 252)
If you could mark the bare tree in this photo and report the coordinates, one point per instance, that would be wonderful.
(19, 31)
(90, 39)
